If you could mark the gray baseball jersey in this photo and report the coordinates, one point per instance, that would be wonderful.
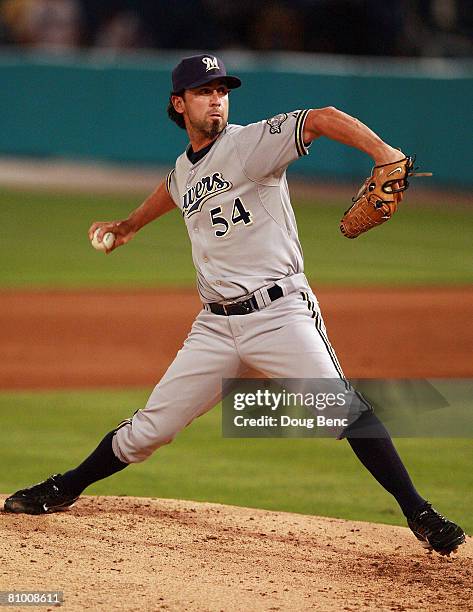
(236, 206)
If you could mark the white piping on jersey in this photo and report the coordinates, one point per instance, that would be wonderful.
(299, 133)
(168, 181)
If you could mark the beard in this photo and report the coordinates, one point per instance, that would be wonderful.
(209, 128)
(216, 126)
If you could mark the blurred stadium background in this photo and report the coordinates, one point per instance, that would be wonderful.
(90, 80)
(423, 28)
(84, 88)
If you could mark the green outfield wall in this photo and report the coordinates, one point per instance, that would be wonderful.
(92, 106)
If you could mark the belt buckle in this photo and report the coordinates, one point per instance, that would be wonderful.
(226, 306)
(244, 305)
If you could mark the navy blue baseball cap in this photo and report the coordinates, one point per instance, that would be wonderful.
(198, 70)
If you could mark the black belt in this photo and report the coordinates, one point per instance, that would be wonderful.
(245, 307)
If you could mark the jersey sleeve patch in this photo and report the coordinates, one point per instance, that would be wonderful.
(299, 133)
(276, 122)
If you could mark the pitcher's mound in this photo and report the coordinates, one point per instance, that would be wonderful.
(125, 553)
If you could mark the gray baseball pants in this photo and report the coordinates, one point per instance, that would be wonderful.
(285, 339)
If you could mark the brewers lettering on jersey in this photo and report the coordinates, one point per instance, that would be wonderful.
(258, 309)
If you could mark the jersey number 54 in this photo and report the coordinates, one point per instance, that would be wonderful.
(239, 215)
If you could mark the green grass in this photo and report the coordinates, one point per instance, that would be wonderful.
(43, 243)
(419, 246)
(46, 432)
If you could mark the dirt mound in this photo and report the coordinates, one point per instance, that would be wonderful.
(69, 338)
(116, 553)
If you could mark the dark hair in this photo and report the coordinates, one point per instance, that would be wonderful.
(178, 118)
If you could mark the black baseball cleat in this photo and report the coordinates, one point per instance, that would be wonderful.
(434, 531)
(42, 498)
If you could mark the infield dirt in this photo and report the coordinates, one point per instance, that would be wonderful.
(111, 553)
(121, 338)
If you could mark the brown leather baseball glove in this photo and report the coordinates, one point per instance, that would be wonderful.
(378, 197)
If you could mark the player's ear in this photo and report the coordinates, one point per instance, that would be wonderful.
(178, 103)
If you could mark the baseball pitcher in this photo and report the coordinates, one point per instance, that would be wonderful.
(258, 308)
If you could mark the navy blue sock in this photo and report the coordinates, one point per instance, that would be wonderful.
(102, 462)
(380, 457)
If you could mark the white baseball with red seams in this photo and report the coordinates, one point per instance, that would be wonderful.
(105, 244)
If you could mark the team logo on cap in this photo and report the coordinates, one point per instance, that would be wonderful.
(276, 122)
(210, 63)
